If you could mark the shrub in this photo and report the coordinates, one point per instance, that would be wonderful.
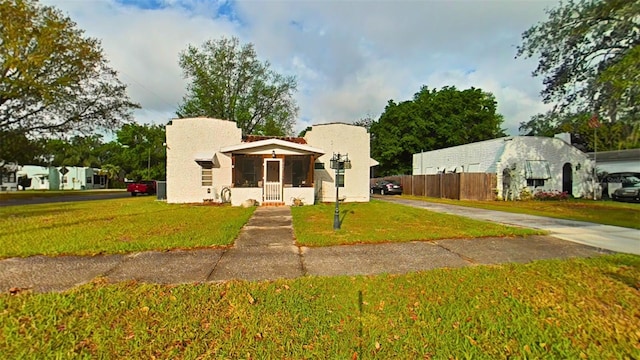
(525, 194)
(550, 195)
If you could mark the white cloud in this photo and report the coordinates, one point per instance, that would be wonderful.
(350, 57)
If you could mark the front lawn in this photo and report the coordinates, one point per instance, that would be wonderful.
(379, 221)
(571, 309)
(600, 212)
(115, 226)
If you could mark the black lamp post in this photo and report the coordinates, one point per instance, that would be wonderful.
(339, 162)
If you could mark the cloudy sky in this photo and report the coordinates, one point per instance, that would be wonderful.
(349, 57)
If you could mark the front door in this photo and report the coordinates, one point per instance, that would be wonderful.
(567, 179)
(272, 191)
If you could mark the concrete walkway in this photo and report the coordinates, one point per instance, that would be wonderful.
(266, 249)
(607, 237)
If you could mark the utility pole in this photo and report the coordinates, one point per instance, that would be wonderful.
(149, 165)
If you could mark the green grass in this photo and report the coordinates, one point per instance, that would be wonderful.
(579, 308)
(378, 221)
(600, 212)
(115, 226)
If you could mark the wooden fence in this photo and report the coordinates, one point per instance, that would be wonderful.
(458, 186)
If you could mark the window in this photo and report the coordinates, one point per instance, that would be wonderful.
(9, 177)
(247, 170)
(207, 173)
(318, 166)
(535, 182)
(89, 179)
(296, 170)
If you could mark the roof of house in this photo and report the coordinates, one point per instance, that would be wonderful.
(252, 138)
(616, 155)
(269, 144)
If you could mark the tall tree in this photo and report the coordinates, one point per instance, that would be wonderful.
(608, 136)
(229, 82)
(16, 147)
(111, 171)
(53, 79)
(365, 122)
(143, 154)
(434, 119)
(589, 58)
(78, 151)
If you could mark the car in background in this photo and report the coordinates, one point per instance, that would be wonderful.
(142, 187)
(385, 187)
(627, 193)
(612, 182)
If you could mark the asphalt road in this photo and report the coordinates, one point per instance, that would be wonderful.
(64, 198)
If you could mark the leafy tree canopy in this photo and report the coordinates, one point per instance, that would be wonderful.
(143, 155)
(229, 82)
(16, 147)
(608, 136)
(137, 153)
(77, 151)
(589, 58)
(434, 119)
(53, 79)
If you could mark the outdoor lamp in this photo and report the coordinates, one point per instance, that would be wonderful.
(338, 162)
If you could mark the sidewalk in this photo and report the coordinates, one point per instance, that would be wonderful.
(266, 249)
(607, 237)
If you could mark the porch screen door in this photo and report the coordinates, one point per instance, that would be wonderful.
(272, 191)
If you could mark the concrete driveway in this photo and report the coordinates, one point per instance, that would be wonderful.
(607, 237)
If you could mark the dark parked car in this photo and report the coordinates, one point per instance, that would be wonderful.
(612, 182)
(627, 193)
(385, 187)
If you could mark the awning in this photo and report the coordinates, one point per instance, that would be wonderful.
(537, 169)
(207, 158)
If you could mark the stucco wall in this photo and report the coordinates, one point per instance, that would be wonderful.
(343, 139)
(557, 153)
(188, 139)
(493, 156)
(476, 157)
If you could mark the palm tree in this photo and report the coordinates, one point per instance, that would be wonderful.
(111, 171)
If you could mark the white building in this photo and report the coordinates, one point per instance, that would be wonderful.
(208, 160)
(8, 176)
(519, 162)
(617, 161)
(59, 178)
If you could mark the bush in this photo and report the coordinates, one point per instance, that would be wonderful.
(550, 195)
(525, 194)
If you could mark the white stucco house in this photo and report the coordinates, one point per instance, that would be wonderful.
(519, 162)
(617, 161)
(209, 160)
(60, 178)
(8, 176)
